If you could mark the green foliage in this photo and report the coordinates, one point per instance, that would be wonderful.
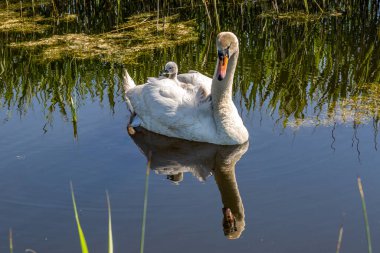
(10, 241)
(110, 237)
(142, 242)
(82, 239)
(364, 206)
(303, 69)
(122, 45)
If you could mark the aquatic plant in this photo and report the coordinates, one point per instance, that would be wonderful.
(110, 237)
(10, 241)
(307, 74)
(143, 224)
(82, 238)
(123, 45)
(364, 207)
(302, 72)
(340, 238)
(11, 21)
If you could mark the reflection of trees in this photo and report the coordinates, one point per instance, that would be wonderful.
(356, 109)
(57, 86)
(311, 66)
(174, 157)
(306, 71)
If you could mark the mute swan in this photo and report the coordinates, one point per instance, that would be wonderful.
(166, 108)
(170, 71)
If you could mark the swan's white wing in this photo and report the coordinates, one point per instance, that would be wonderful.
(196, 79)
(154, 79)
(168, 109)
(201, 83)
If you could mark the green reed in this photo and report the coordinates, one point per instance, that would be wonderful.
(82, 238)
(216, 17)
(285, 66)
(364, 206)
(94, 11)
(10, 241)
(33, 7)
(58, 87)
(306, 6)
(340, 238)
(142, 241)
(207, 12)
(119, 17)
(110, 237)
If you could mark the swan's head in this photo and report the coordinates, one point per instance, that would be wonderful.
(227, 45)
(171, 69)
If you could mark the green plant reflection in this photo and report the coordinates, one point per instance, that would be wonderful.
(308, 71)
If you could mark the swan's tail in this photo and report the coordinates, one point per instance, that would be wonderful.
(128, 82)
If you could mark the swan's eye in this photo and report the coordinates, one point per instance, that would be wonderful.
(224, 52)
(228, 51)
(220, 54)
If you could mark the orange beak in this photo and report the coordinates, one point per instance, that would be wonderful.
(222, 67)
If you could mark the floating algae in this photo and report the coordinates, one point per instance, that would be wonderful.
(21, 18)
(299, 16)
(139, 34)
(12, 21)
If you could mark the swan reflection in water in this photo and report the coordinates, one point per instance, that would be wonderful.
(173, 157)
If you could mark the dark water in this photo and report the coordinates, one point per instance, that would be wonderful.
(309, 93)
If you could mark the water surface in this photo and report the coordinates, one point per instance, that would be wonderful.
(308, 92)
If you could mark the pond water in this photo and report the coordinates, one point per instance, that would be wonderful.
(308, 92)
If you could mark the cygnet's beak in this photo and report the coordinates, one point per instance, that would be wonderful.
(222, 64)
(164, 72)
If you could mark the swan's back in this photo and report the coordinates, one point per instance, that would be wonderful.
(196, 79)
(168, 109)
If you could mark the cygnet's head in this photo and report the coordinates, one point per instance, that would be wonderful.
(171, 69)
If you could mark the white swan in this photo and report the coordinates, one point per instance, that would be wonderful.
(164, 107)
(202, 91)
(170, 71)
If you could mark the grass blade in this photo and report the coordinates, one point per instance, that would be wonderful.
(216, 17)
(339, 243)
(110, 238)
(367, 230)
(82, 239)
(306, 6)
(208, 13)
(10, 241)
(142, 242)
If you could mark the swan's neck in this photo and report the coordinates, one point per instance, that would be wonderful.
(226, 180)
(224, 174)
(229, 125)
(173, 76)
(222, 90)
